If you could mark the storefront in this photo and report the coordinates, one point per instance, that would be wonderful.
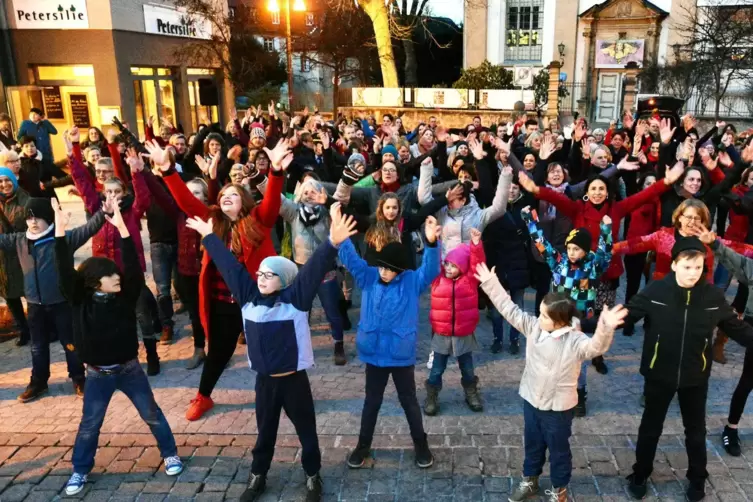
(81, 73)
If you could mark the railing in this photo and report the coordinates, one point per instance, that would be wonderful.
(735, 106)
(573, 91)
(436, 98)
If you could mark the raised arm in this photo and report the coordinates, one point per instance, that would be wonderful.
(424, 182)
(79, 235)
(84, 184)
(499, 204)
(551, 256)
(477, 255)
(430, 267)
(589, 347)
(603, 254)
(523, 322)
(71, 285)
(625, 207)
(739, 265)
(234, 273)
(636, 245)
(142, 196)
(363, 275)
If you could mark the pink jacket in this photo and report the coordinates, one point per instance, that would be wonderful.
(106, 242)
(454, 303)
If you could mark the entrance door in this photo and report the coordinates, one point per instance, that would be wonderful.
(608, 97)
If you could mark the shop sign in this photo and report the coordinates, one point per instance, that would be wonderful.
(50, 14)
(80, 110)
(618, 53)
(53, 103)
(175, 23)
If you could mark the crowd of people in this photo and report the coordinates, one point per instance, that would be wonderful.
(250, 222)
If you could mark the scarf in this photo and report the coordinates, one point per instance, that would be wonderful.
(549, 211)
(392, 187)
(33, 237)
(309, 214)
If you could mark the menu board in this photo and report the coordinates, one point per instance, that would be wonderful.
(80, 110)
(53, 103)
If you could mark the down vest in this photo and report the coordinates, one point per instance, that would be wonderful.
(454, 303)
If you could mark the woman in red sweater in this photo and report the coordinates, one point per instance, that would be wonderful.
(245, 227)
(597, 203)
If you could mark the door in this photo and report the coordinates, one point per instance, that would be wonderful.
(608, 97)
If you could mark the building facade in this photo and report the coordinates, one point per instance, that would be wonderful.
(91, 60)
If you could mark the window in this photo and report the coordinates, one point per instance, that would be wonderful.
(269, 44)
(305, 64)
(524, 30)
(276, 17)
(309, 19)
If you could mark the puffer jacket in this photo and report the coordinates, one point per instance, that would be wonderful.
(457, 223)
(553, 360)
(14, 220)
(454, 303)
(107, 241)
(508, 247)
(388, 327)
(679, 324)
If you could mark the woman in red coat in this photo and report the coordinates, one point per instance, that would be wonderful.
(597, 203)
(245, 228)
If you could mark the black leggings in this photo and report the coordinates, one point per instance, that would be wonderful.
(744, 386)
(225, 323)
(635, 265)
(188, 290)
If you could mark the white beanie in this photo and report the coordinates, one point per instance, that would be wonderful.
(285, 269)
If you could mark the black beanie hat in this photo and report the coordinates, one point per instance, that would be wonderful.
(392, 256)
(687, 244)
(39, 207)
(581, 237)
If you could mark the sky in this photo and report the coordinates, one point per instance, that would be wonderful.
(447, 8)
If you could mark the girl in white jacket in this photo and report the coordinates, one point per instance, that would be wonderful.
(554, 352)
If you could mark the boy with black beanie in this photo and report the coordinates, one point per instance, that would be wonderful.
(681, 312)
(46, 304)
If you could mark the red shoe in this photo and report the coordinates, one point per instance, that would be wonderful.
(199, 405)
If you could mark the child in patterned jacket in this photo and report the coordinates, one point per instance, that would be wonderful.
(577, 275)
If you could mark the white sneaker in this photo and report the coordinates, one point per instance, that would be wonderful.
(430, 362)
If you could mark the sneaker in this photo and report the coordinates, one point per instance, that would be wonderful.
(430, 362)
(75, 484)
(424, 458)
(314, 488)
(173, 466)
(256, 487)
(340, 354)
(514, 348)
(78, 386)
(199, 405)
(33, 391)
(600, 365)
(196, 359)
(167, 335)
(637, 488)
(496, 347)
(528, 487)
(358, 456)
(557, 494)
(731, 441)
(696, 491)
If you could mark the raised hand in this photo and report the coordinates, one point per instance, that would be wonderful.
(627, 120)
(720, 124)
(666, 131)
(116, 219)
(441, 134)
(527, 184)
(324, 136)
(477, 149)
(606, 220)
(235, 153)
(67, 142)
(704, 234)
(454, 193)
(213, 166)
(150, 121)
(724, 159)
(342, 228)
(615, 316)
(203, 227)
(727, 140)
(483, 273)
(159, 156)
(271, 108)
(640, 129)
(321, 197)
(674, 174)
(433, 230)
(547, 148)
(278, 153)
(61, 218)
(74, 134)
(134, 160)
(626, 165)
(579, 132)
(335, 210)
(747, 153)
(111, 135)
(202, 164)
(475, 236)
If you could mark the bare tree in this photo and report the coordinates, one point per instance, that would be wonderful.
(720, 38)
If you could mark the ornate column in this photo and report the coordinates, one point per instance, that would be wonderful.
(552, 104)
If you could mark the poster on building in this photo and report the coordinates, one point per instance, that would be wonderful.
(50, 15)
(80, 110)
(618, 53)
(53, 103)
(175, 23)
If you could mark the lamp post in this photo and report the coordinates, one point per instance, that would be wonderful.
(274, 6)
(561, 49)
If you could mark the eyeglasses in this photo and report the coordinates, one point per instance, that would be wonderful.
(694, 219)
(266, 275)
(389, 170)
(103, 171)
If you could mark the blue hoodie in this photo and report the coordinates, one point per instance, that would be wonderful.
(389, 312)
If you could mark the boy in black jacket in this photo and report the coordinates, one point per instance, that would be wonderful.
(681, 312)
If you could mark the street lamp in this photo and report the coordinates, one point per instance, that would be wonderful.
(561, 49)
(299, 6)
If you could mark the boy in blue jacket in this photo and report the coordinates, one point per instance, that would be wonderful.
(386, 338)
(278, 340)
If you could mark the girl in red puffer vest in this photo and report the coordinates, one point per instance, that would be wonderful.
(454, 316)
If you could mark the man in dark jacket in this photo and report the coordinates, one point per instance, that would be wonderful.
(681, 312)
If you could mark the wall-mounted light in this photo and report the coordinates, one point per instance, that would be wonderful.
(299, 6)
(561, 49)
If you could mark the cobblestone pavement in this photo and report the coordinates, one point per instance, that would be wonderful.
(478, 455)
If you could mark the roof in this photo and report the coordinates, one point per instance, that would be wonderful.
(595, 9)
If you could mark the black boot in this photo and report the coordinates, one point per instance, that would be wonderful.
(255, 488)
(636, 487)
(152, 358)
(314, 488)
(424, 458)
(359, 455)
(600, 365)
(696, 490)
(343, 305)
(340, 354)
(580, 408)
(23, 339)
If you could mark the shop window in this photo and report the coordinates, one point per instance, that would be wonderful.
(142, 72)
(200, 71)
(81, 74)
(305, 64)
(200, 114)
(269, 44)
(524, 30)
(309, 19)
(276, 17)
(154, 96)
(164, 71)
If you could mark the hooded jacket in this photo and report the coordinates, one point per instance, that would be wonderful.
(13, 220)
(454, 302)
(507, 246)
(679, 325)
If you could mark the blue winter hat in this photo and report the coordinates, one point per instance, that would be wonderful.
(285, 269)
(4, 171)
(390, 149)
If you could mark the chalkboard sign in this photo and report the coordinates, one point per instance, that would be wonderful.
(80, 110)
(53, 103)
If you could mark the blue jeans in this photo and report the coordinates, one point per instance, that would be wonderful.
(329, 295)
(587, 326)
(583, 374)
(552, 430)
(499, 322)
(164, 261)
(98, 392)
(465, 363)
(722, 277)
(61, 316)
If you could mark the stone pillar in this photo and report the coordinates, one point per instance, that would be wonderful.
(631, 82)
(552, 104)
